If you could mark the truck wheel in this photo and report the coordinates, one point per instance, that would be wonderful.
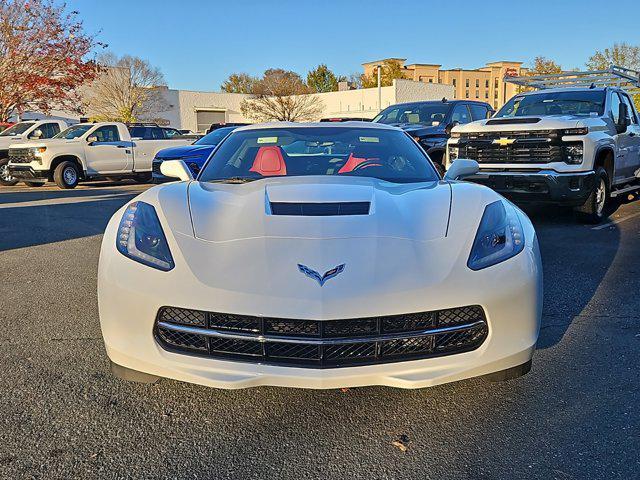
(595, 208)
(34, 184)
(142, 177)
(5, 177)
(66, 175)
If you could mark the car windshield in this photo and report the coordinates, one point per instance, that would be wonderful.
(73, 132)
(554, 103)
(298, 151)
(214, 137)
(427, 113)
(17, 129)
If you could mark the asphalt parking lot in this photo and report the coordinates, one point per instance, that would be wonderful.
(575, 416)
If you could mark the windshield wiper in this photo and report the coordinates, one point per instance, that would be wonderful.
(234, 180)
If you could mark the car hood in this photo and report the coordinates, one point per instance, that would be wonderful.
(227, 212)
(185, 151)
(6, 141)
(49, 142)
(551, 122)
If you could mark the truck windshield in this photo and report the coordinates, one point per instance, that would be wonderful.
(575, 102)
(17, 129)
(427, 113)
(248, 155)
(73, 132)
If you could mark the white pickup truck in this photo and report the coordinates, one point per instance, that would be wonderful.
(27, 131)
(88, 151)
(577, 147)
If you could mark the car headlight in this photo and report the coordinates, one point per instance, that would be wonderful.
(499, 236)
(573, 153)
(140, 237)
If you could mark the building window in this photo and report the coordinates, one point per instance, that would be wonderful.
(477, 82)
(486, 94)
(431, 80)
(495, 94)
(466, 94)
(496, 84)
(477, 93)
(486, 83)
(495, 105)
(467, 83)
(454, 94)
(454, 82)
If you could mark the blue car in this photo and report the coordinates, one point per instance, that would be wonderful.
(193, 155)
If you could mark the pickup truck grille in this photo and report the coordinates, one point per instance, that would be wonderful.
(321, 343)
(542, 146)
(21, 155)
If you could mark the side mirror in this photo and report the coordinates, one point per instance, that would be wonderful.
(176, 169)
(37, 133)
(450, 126)
(623, 118)
(461, 168)
(92, 139)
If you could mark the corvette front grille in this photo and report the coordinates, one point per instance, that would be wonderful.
(321, 343)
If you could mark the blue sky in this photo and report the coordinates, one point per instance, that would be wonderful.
(197, 44)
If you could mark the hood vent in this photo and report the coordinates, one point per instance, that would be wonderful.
(320, 209)
(512, 121)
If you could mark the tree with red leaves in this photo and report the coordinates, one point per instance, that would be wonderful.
(43, 50)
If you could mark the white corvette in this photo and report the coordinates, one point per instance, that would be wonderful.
(319, 256)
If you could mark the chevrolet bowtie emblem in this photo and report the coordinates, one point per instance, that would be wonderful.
(503, 142)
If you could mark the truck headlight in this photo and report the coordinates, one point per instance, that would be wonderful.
(573, 153)
(499, 236)
(140, 237)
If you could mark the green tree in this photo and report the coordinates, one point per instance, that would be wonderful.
(621, 55)
(544, 66)
(391, 70)
(239, 83)
(321, 79)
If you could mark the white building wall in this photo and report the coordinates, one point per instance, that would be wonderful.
(410, 91)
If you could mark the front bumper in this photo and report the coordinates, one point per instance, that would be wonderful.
(545, 186)
(27, 172)
(130, 296)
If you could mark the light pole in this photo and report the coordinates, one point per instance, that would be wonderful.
(379, 88)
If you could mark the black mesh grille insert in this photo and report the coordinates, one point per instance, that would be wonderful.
(320, 209)
(322, 343)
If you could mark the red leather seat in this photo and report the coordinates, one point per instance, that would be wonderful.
(269, 162)
(352, 162)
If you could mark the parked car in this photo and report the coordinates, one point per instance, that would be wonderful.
(575, 147)
(170, 132)
(430, 123)
(87, 151)
(321, 256)
(193, 155)
(345, 119)
(215, 126)
(27, 131)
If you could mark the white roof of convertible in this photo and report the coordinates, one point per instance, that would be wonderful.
(260, 126)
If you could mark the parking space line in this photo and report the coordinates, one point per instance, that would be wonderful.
(616, 222)
(62, 201)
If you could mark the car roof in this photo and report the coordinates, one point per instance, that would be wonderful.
(356, 124)
(565, 89)
(434, 102)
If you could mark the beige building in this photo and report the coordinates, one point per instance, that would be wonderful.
(484, 84)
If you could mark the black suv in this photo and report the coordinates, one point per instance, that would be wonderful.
(430, 123)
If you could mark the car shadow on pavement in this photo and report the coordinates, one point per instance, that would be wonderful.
(575, 259)
(27, 226)
(22, 195)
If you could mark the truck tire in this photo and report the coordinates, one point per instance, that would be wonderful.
(5, 178)
(595, 209)
(34, 184)
(66, 175)
(144, 177)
